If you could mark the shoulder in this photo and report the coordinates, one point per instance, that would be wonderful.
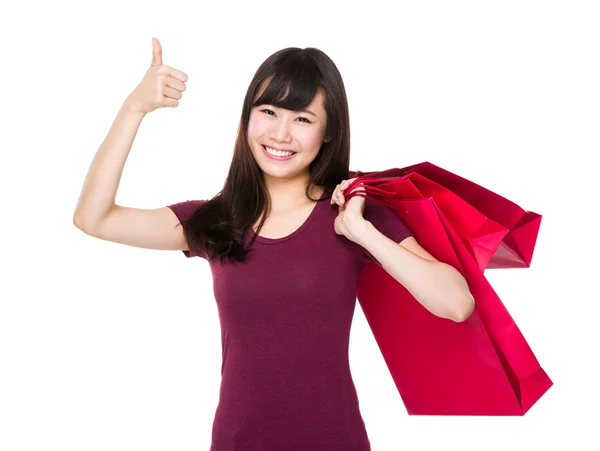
(386, 220)
(183, 210)
(376, 210)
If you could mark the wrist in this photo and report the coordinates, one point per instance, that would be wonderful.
(361, 230)
(130, 107)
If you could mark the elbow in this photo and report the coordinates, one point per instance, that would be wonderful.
(464, 309)
(80, 224)
(77, 222)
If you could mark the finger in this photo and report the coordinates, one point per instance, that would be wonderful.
(172, 93)
(169, 102)
(349, 181)
(345, 184)
(175, 84)
(156, 52)
(179, 75)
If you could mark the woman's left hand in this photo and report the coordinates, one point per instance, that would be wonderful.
(349, 221)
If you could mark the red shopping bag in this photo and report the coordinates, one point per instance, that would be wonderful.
(480, 235)
(482, 366)
(516, 246)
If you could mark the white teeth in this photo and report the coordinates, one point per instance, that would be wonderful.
(278, 153)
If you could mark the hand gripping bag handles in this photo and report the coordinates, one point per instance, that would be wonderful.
(519, 227)
(481, 366)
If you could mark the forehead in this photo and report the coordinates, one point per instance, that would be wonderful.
(316, 104)
(318, 101)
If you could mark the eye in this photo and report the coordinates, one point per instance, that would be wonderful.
(265, 110)
(301, 117)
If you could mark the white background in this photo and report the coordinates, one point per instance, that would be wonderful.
(111, 347)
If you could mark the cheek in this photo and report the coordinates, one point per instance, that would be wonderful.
(309, 138)
(255, 125)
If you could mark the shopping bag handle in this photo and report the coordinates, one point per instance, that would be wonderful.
(369, 189)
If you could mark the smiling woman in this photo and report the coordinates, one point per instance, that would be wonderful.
(286, 295)
(295, 102)
(290, 135)
(286, 311)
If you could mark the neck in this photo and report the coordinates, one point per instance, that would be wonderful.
(286, 194)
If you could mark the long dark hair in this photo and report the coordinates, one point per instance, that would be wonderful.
(290, 79)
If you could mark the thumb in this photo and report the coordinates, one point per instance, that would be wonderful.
(156, 52)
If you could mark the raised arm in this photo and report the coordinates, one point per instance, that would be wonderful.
(96, 212)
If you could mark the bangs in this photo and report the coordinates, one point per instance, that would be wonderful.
(293, 87)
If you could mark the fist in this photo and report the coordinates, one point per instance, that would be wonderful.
(349, 221)
(162, 86)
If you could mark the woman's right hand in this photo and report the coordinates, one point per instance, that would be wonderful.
(161, 87)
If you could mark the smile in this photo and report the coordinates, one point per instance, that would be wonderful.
(277, 155)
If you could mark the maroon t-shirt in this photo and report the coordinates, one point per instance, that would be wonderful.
(285, 318)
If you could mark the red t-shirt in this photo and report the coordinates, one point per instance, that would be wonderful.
(285, 318)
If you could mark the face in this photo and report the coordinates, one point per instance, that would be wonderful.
(297, 131)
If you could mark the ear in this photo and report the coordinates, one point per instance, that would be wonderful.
(327, 139)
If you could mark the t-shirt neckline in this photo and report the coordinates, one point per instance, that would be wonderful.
(313, 213)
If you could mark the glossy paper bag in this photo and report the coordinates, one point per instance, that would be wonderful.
(482, 366)
(515, 249)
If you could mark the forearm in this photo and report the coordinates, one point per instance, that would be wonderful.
(104, 174)
(439, 287)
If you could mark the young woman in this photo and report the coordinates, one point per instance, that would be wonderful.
(285, 250)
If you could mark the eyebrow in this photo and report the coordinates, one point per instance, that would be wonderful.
(306, 110)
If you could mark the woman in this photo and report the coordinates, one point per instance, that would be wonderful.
(285, 250)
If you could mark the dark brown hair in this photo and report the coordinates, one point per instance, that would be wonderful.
(292, 77)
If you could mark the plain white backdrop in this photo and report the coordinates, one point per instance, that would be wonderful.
(110, 347)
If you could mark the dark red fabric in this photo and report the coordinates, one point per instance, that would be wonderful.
(285, 318)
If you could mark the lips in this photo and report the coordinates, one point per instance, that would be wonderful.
(281, 150)
(275, 157)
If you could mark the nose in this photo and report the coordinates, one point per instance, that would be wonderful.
(281, 131)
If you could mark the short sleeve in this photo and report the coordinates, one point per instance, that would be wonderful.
(387, 222)
(183, 210)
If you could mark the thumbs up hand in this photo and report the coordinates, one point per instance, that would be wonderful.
(162, 86)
